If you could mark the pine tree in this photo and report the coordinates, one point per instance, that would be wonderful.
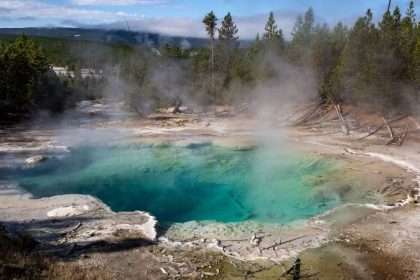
(389, 58)
(308, 22)
(210, 22)
(303, 28)
(273, 34)
(256, 46)
(302, 38)
(281, 41)
(408, 23)
(416, 64)
(227, 50)
(228, 30)
(389, 28)
(408, 41)
(332, 48)
(271, 29)
(358, 69)
(23, 63)
(297, 28)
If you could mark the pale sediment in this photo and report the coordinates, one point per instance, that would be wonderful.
(84, 219)
(250, 241)
(411, 168)
(70, 219)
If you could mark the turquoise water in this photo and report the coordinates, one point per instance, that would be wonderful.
(178, 184)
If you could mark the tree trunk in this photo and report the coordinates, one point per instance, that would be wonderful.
(212, 67)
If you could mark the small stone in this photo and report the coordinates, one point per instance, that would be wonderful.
(35, 159)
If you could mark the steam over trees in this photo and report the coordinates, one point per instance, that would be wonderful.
(368, 62)
(377, 64)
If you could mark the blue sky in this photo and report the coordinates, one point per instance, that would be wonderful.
(180, 17)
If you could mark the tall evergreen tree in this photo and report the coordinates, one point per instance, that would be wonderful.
(210, 22)
(411, 14)
(416, 64)
(357, 69)
(308, 21)
(331, 49)
(408, 41)
(302, 38)
(273, 35)
(304, 27)
(227, 50)
(388, 53)
(256, 47)
(228, 31)
(271, 29)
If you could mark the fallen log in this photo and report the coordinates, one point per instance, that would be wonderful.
(277, 244)
(372, 132)
(399, 140)
(308, 115)
(415, 122)
(403, 137)
(274, 246)
(382, 126)
(322, 119)
(298, 111)
(305, 108)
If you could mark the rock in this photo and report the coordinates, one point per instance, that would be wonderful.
(35, 159)
(184, 109)
(84, 103)
(68, 211)
(255, 241)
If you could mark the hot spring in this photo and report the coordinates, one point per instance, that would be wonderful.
(193, 183)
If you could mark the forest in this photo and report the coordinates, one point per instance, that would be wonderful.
(370, 64)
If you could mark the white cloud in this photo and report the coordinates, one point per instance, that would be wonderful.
(78, 16)
(116, 2)
(16, 9)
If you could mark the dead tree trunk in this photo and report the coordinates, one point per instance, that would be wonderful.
(390, 131)
(344, 126)
(295, 270)
(178, 104)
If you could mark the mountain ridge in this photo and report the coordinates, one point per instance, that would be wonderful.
(107, 36)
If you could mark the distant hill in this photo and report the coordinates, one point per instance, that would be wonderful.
(107, 36)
